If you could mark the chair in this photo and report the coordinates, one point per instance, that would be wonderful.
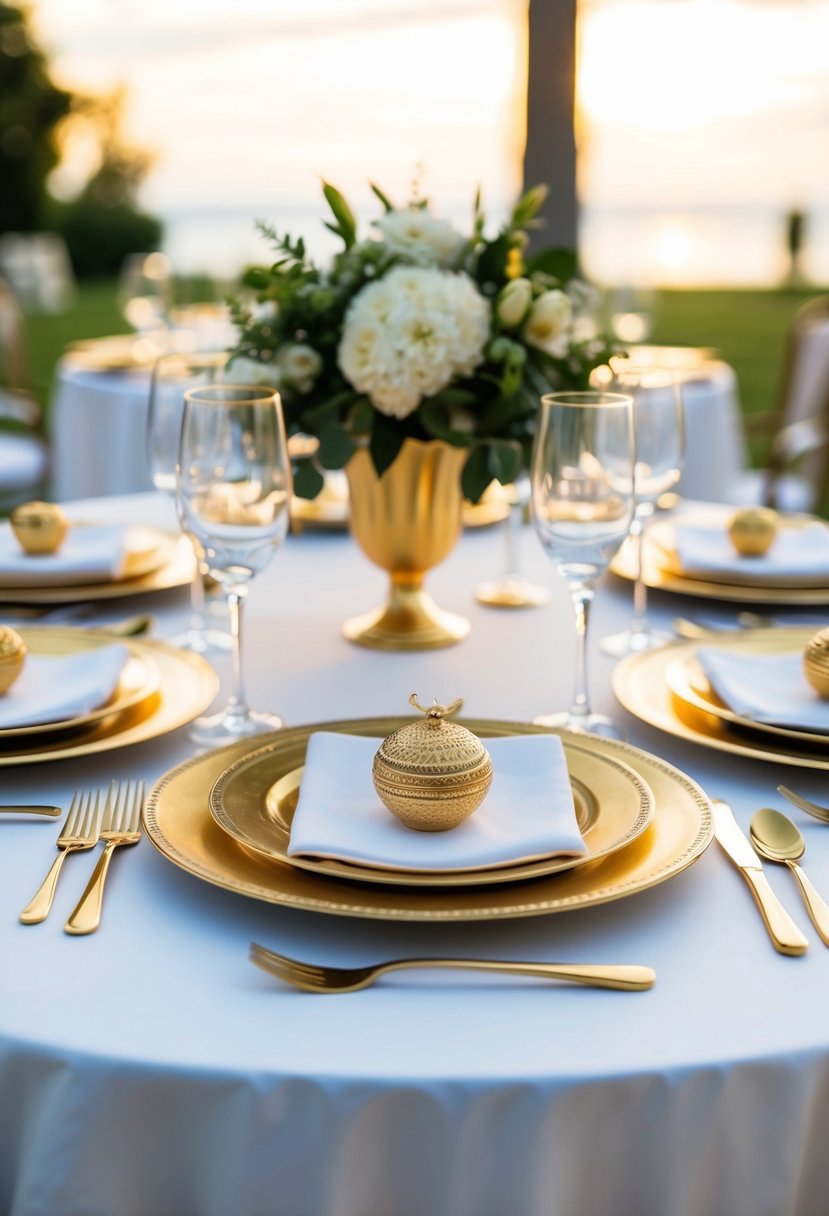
(24, 455)
(796, 476)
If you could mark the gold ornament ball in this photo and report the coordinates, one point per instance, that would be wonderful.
(40, 527)
(816, 663)
(432, 774)
(12, 655)
(753, 530)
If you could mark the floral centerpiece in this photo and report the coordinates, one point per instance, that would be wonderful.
(419, 331)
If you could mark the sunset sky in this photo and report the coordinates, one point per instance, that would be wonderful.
(702, 121)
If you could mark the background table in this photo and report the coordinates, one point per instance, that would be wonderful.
(150, 1068)
(99, 422)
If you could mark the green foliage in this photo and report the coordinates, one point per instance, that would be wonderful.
(490, 411)
(99, 236)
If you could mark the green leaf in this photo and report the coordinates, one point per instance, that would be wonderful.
(528, 206)
(492, 264)
(361, 418)
(476, 475)
(346, 225)
(435, 420)
(557, 261)
(308, 480)
(504, 459)
(387, 438)
(335, 448)
(387, 204)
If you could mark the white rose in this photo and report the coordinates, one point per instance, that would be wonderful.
(418, 236)
(513, 302)
(548, 323)
(300, 365)
(408, 335)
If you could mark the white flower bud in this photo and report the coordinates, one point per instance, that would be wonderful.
(513, 302)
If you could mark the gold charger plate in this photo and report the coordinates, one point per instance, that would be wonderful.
(662, 544)
(139, 679)
(118, 353)
(255, 798)
(187, 685)
(178, 822)
(176, 571)
(640, 683)
(687, 680)
(656, 575)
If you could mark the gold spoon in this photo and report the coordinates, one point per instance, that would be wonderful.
(777, 838)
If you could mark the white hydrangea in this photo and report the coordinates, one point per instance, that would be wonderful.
(420, 237)
(408, 335)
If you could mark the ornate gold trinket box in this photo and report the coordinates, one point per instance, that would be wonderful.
(40, 527)
(432, 774)
(12, 654)
(816, 662)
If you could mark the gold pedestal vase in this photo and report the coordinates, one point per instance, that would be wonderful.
(406, 522)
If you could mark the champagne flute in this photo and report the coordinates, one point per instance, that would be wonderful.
(172, 376)
(233, 490)
(658, 423)
(582, 505)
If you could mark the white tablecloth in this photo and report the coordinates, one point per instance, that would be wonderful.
(150, 1069)
(99, 421)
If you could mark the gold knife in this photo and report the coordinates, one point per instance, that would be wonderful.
(783, 932)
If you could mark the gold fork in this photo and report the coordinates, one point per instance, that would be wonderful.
(811, 808)
(122, 825)
(314, 978)
(80, 831)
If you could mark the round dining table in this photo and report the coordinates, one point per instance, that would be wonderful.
(149, 1069)
(99, 422)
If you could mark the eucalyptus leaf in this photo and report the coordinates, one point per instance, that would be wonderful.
(476, 475)
(387, 438)
(435, 420)
(557, 261)
(308, 480)
(335, 449)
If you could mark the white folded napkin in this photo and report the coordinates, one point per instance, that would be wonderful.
(765, 688)
(797, 552)
(52, 688)
(88, 555)
(527, 813)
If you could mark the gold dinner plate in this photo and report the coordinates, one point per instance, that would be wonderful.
(176, 569)
(255, 798)
(178, 822)
(657, 573)
(139, 679)
(687, 680)
(186, 686)
(145, 549)
(329, 511)
(640, 683)
(119, 353)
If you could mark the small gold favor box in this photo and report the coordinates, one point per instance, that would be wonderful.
(816, 662)
(40, 527)
(12, 655)
(432, 774)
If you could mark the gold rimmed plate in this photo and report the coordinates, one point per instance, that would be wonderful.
(659, 573)
(661, 541)
(138, 682)
(117, 353)
(186, 686)
(640, 683)
(178, 822)
(255, 798)
(176, 569)
(687, 680)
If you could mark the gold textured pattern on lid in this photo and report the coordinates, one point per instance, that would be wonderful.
(432, 774)
(816, 662)
(12, 654)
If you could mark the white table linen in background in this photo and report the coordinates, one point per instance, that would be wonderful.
(151, 1070)
(99, 421)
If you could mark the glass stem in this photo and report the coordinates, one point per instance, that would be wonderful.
(582, 597)
(237, 706)
(511, 524)
(197, 621)
(639, 624)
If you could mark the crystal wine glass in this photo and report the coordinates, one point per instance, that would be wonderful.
(582, 505)
(172, 376)
(233, 490)
(144, 286)
(658, 424)
(513, 589)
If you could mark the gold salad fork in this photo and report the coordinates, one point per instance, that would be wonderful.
(314, 978)
(811, 808)
(80, 831)
(122, 825)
